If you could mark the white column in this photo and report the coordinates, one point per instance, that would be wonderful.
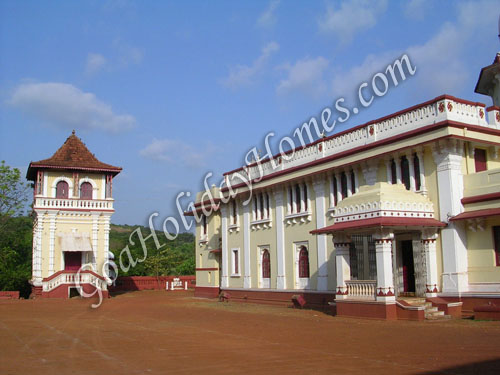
(420, 156)
(448, 158)
(429, 248)
(37, 251)
(247, 277)
(385, 282)
(409, 157)
(106, 219)
(356, 181)
(280, 239)
(95, 226)
(225, 251)
(349, 182)
(319, 192)
(343, 267)
(302, 198)
(258, 199)
(332, 189)
(388, 169)
(397, 161)
(289, 198)
(52, 232)
(294, 199)
(339, 186)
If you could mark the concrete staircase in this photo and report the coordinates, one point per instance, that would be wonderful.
(431, 312)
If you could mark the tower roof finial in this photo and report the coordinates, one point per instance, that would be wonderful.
(73, 132)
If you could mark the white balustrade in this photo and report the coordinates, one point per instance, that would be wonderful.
(424, 115)
(59, 203)
(361, 289)
(73, 278)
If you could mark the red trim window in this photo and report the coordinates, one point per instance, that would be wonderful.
(62, 190)
(236, 262)
(266, 265)
(480, 159)
(303, 263)
(496, 241)
(86, 190)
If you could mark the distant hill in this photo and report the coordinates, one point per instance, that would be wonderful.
(176, 257)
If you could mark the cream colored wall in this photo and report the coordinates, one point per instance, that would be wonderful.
(204, 258)
(53, 176)
(481, 254)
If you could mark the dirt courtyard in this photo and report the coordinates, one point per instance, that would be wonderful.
(158, 332)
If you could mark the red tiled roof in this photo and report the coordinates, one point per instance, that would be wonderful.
(380, 222)
(73, 154)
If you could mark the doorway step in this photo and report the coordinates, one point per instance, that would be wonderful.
(431, 312)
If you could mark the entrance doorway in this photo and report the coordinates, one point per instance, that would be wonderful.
(408, 268)
(72, 260)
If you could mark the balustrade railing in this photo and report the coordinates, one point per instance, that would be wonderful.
(361, 289)
(59, 203)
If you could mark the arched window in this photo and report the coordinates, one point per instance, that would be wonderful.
(62, 190)
(303, 262)
(266, 264)
(86, 190)
(405, 172)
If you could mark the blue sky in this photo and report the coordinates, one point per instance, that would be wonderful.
(172, 90)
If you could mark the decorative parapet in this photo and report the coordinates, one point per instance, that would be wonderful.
(70, 204)
(443, 108)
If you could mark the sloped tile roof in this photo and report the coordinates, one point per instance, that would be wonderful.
(73, 154)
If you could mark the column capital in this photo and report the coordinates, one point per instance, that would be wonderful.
(383, 235)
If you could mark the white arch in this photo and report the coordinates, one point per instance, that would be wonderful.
(59, 179)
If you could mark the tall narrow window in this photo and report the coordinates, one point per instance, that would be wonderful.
(234, 213)
(261, 201)
(236, 262)
(394, 174)
(297, 197)
(416, 168)
(305, 198)
(204, 224)
(266, 264)
(353, 182)
(405, 172)
(86, 190)
(303, 262)
(335, 190)
(480, 159)
(62, 190)
(267, 206)
(496, 240)
(255, 208)
(343, 185)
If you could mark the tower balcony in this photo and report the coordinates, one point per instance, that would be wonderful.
(73, 204)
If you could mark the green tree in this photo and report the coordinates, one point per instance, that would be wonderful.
(13, 193)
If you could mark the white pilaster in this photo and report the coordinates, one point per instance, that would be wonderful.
(349, 182)
(338, 177)
(448, 158)
(52, 234)
(302, 198)
(356, 181)
(225, 250)
(95, 234)
(341, 245)
(429, 248)
(409, 157)
(397, 161)
(45, 181)
(420, 156)
(388, 169)
(280, 239)
(319, 192)
(385, 282)
(332, 189)
(247, 277)
(37, 251)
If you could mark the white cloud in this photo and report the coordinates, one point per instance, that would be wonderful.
(416, 9)
(440, 61)
(175, 151)
(267, 18)
(353, 16)
(66, 106)
(305, 75)
(244, 75)
(95, 62)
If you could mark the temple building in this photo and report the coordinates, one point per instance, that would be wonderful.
(72, 206)
(395, 218)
